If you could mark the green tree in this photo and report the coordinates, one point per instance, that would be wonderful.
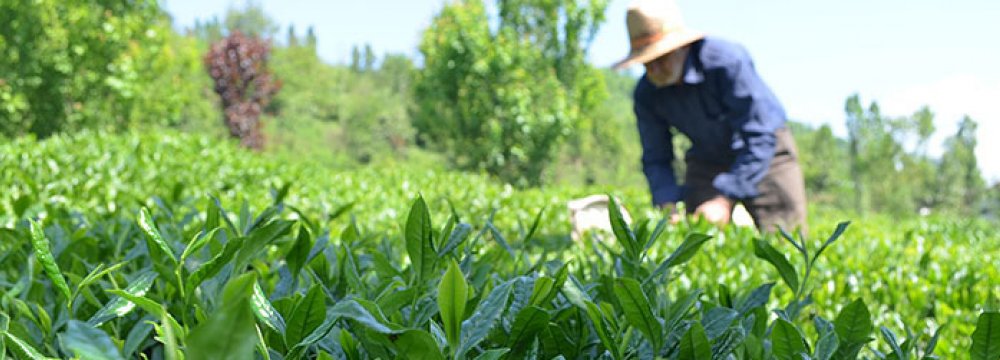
(855, 131)
(70, 65)
(251, 20)
(960, 183)
(473, 98)
(291, 40)
(311, 38)
(878, 159)
(826, 178)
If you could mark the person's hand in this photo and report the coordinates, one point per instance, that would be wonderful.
(718, 210)
(675, 216)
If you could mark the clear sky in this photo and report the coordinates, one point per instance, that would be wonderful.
(902, 53)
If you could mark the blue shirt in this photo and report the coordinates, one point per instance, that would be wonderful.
(723, 107)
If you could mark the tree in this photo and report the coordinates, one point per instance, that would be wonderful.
(311, 38)
(251, 20)
(238, 65)
(70, 65)
(826, 178)
(960, 183)
(291, 40)
(855, 118)
(472, 100)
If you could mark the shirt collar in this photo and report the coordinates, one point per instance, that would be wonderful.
(693, 72)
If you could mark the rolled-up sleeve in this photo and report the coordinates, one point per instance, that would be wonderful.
(657, 156)
(757, 116)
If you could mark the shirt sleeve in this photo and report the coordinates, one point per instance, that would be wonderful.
(754, 141)
(657, 156)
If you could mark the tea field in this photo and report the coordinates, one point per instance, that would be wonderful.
(172, 246)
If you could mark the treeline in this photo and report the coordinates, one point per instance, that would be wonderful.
(516, 100)
(884, 165)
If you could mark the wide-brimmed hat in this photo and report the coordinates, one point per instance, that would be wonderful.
(655, 27)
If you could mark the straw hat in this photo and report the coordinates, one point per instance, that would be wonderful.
(655, 27)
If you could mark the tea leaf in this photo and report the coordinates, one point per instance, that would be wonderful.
(986, 337)
(420, 240)
(265, 312)
(44, 256)
(452, 293)
(417, 344)
(787, 342)
(695, 345)
(88, 342)
(766, 252)
(638, 311)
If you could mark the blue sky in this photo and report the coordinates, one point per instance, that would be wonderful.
(902, 53)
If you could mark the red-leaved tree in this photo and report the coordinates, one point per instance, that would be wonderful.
(238, 64)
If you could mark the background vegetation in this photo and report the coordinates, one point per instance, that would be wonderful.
(132, 225)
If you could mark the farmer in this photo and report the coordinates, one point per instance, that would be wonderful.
(707, 89)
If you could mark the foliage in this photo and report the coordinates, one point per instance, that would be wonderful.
(472, 102)
(71, 65)
(238, 66)
(189, 264)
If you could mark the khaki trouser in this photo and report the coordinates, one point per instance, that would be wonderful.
(782, 200)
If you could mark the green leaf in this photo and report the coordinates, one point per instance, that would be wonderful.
(44, 256)
(136, 336)
(717, 320)
(167, 333)
(657, 231)
(766, 252)
(727, 342)
(986, 337)
(152, 234)
(456, 238)
(534, 226)
(307, 316)
(757, 298)
(452, 294)
(299, 252)
(498, 237)
(694, 344)
(95, 274)
(682, 254)
(479, 325)
(934, 340)
(529, 322)
(854, 323)
(119, 306)
(4, 325)
(417, 344)
(211, 214)
(229, 332)
(601, 326)
(215, 265)
(351, 309)
(24, 349)
(88, 342)
(199, 242)
(493, 354)
(265, 312)
(622, 230)
(841, 227)
(787, 342)
(893, 342)
(257, 240)
(826, 346)
(420, 240)
(149, 306)
(544, 288)
(638, 311)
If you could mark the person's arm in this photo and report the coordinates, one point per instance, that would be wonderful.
(760, 115)
(657, 157)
